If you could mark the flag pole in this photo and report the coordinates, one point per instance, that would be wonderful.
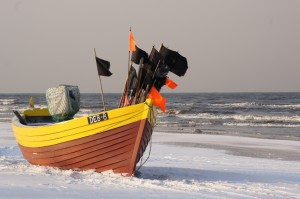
(126, 86)
(129, 63)
(101, 87)
(129, 55)
(139, 79)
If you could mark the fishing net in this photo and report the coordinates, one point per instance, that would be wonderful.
(63, 102)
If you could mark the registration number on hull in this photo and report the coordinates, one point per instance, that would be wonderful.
(97, 118)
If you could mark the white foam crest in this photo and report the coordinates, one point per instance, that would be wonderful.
(290, 106)
(295, 118)
(182, 104)
(175, 111)
(5, 118)
(3, 108)
(7, 101)
(38, 106)
(267, 118)
(253, 104)
(84, 112)
(236, 105)
(261, 125)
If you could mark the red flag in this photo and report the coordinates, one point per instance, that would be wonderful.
(158, 100)
(170, 83)
(131, 42)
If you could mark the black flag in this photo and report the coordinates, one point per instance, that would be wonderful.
(139, 54)
(154, 58)
(160, 82)
(132, 83)
(177, 63)
(103, 67)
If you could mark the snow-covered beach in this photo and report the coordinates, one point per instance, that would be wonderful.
(180, 166)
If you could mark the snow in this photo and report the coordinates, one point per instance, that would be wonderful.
(180, 166)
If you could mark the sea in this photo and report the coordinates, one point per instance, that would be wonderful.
(262, 115)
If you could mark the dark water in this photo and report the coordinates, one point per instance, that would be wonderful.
(268, 115)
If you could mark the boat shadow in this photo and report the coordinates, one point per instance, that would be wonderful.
(200, 175)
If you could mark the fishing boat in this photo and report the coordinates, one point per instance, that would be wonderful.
(110, 140)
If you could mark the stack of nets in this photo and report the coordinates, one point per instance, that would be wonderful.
(63, 102)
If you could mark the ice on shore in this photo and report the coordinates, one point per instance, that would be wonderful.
(180, 166)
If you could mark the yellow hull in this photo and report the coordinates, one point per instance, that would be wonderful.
(112, 140)
(56, 133)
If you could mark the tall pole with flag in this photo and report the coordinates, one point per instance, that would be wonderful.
(103, 70)
(131, 48)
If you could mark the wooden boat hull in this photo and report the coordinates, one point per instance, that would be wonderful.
(115, 144)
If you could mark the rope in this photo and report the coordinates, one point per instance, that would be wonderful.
(142, 163)
(150, 146)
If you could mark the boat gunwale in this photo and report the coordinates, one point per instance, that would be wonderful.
(15, 120)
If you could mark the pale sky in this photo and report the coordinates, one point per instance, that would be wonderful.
(230, 45)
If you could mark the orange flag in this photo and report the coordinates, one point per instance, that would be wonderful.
(158, 100)
(170, 83)
(131, 42)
